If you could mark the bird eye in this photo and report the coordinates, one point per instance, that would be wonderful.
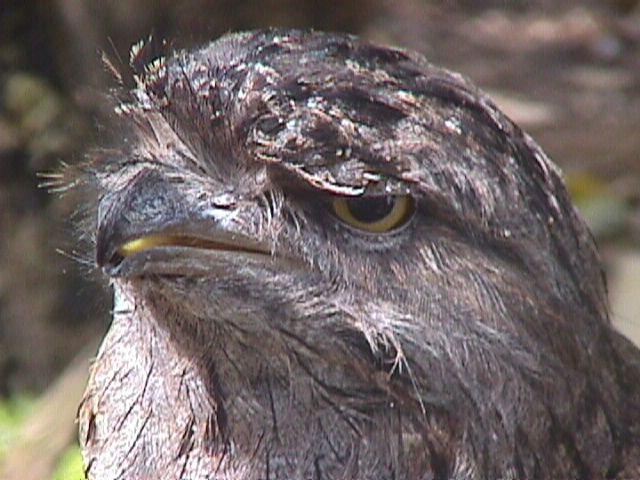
(374, 214)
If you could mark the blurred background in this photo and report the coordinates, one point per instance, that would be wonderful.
(567, 71)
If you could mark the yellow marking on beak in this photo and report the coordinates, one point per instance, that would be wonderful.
(138, 245)
(142, 244)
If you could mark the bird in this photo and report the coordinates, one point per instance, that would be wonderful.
(331, 259)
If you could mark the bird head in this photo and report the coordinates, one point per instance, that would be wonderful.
(330, 256)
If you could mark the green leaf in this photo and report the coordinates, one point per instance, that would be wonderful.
(13, 412)
(69, 466)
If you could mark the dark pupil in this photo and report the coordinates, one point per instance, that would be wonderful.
(371, 209)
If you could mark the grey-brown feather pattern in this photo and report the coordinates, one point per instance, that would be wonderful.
(472, 343)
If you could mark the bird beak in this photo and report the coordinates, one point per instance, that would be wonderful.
(146, 227)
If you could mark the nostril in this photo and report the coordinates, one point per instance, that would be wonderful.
(224, 200)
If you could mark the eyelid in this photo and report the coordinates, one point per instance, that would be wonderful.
(400, 213)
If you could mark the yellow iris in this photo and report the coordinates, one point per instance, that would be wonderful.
(374, 214)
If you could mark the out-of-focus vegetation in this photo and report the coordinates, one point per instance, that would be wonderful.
(607, 211)
(13, 412)
(70, 465)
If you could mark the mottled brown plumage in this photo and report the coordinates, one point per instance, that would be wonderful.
(257, 336)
